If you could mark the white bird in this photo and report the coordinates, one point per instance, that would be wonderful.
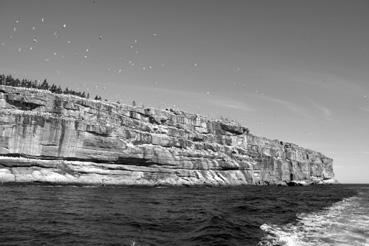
(195, 64)
(19, 50)
(154, 34)
(14, 29)
(69, 42)
(30, 48)
(35, 40)
(54, 53)
(100, 37)
(17, 21)
(64, 25)
(42, 19)
(33, 28)
(86, 50)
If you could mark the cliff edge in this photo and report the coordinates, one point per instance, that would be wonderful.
(56, 138)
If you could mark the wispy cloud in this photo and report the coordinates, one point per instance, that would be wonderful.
(232, 104)
(356, 152)
(329, 81)
(366, 109)
(201, 98)
(326, 112)
(291, 106)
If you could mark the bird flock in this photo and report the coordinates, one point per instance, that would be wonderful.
(57, 34)
(62, 28)
(40, 39)
(60, 34)
(127, 62)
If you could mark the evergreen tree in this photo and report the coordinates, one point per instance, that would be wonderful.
(53, 88)
(45, 85)
(17, 82)
(34, 84)
(59, 90)
(3, 79)
(10, 81)
(23, 83)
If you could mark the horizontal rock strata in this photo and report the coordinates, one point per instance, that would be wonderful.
(46, 137)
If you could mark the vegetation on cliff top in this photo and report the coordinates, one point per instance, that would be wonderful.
(8, 80)
(45, 85)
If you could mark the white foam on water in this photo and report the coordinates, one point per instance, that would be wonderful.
(344, 223)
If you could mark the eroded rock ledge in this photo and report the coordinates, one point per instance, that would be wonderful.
(46, 137)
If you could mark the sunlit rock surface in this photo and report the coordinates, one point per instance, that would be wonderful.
(47, 137)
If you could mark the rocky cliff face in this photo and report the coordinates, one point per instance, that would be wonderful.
(46, 137)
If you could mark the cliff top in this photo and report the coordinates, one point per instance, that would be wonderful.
(34, 101)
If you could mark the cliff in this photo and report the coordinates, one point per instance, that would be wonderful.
(46, 137)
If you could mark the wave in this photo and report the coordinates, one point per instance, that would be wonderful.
(344, 223)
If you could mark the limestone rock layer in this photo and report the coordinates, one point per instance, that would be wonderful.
(46, 137)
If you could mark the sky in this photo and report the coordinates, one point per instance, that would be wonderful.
(292, 70)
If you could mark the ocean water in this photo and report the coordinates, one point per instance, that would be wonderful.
(247, 215)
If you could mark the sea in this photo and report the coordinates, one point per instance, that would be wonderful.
(138, 216)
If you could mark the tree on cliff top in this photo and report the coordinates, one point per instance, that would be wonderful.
(10, 81)
(45, 85)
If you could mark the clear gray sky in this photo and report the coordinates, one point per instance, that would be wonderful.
(293, 70)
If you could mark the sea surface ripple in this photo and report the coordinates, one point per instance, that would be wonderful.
(123, 215)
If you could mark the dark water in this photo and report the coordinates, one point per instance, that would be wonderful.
(249, 215)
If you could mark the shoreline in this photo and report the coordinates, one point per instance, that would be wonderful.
(21, 170)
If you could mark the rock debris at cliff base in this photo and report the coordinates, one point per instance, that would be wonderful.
(54, 138)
